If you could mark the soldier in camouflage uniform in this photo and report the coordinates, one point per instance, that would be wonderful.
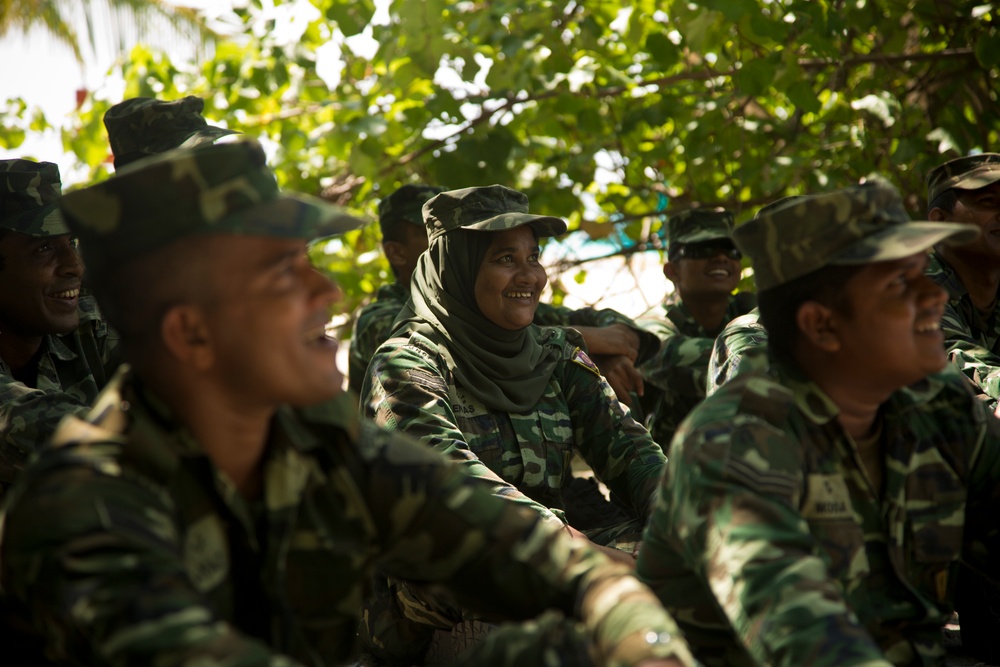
(144, 126)
(468, 373)
(817, 514)
(742, 345)
(220, 505)
(615, 342)
(56, 351)
(403, 239)
(967, 190)
(704, 266)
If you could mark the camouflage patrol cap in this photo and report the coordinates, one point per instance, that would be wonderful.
(697, 225)
(404, 206)
(487, 207)
(29, 191)
(966, 173)
(143, 126)
(857, 225)
(212, 189)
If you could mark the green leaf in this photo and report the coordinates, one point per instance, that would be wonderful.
(664, 52)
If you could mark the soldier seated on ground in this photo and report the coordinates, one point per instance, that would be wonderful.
(817, 514)
(468, 373)
(56, 351)
(221, 503)
(613, 340)
(967, 190)
(704, 267)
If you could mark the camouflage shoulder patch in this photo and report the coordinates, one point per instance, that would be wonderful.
(580, 358)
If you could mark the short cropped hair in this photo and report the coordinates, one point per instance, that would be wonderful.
(779, 306)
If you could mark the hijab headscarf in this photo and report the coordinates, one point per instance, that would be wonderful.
(505, 370)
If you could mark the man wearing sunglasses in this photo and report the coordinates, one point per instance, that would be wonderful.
(704, 266)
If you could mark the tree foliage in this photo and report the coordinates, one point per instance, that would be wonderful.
(606, 113)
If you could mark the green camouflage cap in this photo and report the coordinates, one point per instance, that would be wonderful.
(404, 206)
(143, 126)
(697, 225)
(966, 173)
(857, 225)
(487, 207)
(211, 189)
(29, 191)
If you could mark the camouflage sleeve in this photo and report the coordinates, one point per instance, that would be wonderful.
(502, 560)
(104, 570)
(979, 364)
(728, 504)
(372, 328)
(548, 315)
(27, 417)
(740, 348)
(405, 391)
(619, 450)
(681, 364)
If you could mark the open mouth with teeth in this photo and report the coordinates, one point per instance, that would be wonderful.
(67, 294)
(928, 327)
(720, 273)
(518, 295)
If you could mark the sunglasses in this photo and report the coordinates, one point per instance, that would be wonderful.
(708, 250)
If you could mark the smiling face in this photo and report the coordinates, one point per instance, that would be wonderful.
(981, 208)
(40, 282)
(890, 333)
(267, 320)
(510, 279)
(712, 272)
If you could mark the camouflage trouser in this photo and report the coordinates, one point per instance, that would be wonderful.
(402, 627)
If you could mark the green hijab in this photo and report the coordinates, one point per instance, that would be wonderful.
(505, 370)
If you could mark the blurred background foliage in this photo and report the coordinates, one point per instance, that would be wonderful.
(610, 114)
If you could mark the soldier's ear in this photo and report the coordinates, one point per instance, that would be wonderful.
(816, 325)
(937, 215)
(670, 271)
(186, 336)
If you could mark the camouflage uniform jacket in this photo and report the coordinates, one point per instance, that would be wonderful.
(124, 545)
(676, 375)
(740, 348)
(72, 369)
(769, 539)
(373, 326)
(972, 339)
(410, 388)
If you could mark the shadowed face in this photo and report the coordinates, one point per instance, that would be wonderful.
(267, 321)
(40, 281)
(892, 334)
(711, 268)
(510, 279)
(981, 208)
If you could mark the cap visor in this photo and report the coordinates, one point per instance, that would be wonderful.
(289, 216)
(43, 221)
(544, 225)
(900, 241)
(701, 236)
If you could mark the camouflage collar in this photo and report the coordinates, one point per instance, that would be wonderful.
(944, 274)
(812, 402)
(807, 395)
